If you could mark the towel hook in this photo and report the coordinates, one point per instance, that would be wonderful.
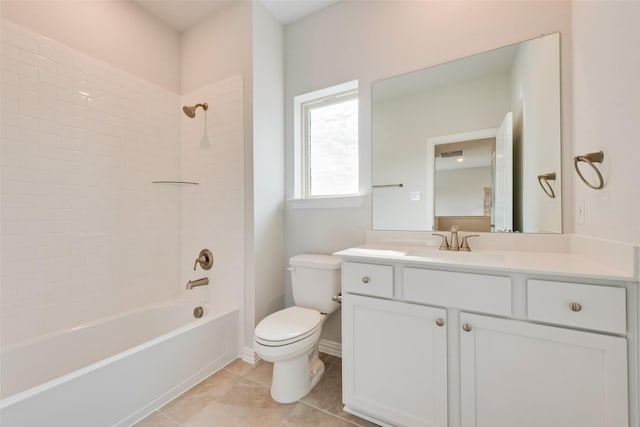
(590, 159)
(543, 180)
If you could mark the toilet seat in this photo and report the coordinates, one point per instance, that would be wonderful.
(287, 326)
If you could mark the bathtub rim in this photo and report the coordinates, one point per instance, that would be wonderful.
(212, 312)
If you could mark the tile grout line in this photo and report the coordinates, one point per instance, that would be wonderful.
(328, 413)
(245, 376)
(168, 417)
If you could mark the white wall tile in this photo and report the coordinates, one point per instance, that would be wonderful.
(84, 233)
(212, 214)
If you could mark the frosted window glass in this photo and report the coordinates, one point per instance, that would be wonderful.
(333, 149)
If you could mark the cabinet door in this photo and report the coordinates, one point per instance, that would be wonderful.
(394, 361)
(528, 375)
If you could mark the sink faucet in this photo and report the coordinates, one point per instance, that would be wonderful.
(454, 246)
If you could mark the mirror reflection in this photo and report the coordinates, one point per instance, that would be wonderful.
(467, 140)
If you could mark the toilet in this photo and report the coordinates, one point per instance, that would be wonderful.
(289, 338)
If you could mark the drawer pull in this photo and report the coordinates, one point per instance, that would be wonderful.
(466, 327)
(439, 322)
(365, 279)
(574, 306)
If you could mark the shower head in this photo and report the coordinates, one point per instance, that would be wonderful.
(190, 111)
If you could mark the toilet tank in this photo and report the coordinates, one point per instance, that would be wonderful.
(314, 280)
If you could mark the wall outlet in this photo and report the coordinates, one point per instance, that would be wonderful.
(580, 211)
(414, 195)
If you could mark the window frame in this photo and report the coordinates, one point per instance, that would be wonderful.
(302, 105)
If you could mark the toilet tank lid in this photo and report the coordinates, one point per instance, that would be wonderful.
(316, 261)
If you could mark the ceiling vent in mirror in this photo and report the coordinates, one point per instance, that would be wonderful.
(457, 153)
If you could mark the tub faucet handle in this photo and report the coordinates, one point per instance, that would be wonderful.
(205, 259)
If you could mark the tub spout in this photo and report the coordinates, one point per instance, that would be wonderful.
(199, 282)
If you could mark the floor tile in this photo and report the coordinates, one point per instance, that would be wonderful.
(327, 394)
(186, 405)
(305, 415)
(328, 360)
(156, 419)
(240, 367)
(262, 374)
(240, 395)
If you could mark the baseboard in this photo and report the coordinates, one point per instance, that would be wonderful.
(249, 355)
(331, 347)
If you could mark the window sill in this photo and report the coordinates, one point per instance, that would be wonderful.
(353, 201)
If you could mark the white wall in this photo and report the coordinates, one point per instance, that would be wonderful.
(536, 109)
(268, 164)
(460, 192)
(606, 103)
(84, 231)
(373, 40)
(115, 32)
(402, 126)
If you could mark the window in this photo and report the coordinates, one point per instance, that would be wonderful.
(326, 151)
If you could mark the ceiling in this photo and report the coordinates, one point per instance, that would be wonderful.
(183, 14)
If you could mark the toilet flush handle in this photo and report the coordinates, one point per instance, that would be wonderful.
(337, 298)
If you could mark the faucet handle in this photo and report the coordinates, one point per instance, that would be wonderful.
(464, 246)
(205, 259)
(455, 228)
(444, 244)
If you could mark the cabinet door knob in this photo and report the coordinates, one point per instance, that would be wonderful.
(466, 327)
(440, 322)
(365, 279)
(574, 306)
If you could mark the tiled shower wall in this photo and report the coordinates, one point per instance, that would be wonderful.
(212, 154)
(84, 232)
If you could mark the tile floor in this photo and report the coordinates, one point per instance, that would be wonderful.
(238, 395)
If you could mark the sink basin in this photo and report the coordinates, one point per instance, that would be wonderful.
(429, 254)
(458, 257)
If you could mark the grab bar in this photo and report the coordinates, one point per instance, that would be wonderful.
(388, 185)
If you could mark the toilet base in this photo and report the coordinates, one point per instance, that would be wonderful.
(295, 378)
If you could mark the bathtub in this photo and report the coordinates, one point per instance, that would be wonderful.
(115, 371)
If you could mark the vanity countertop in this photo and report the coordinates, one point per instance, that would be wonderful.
(549, 263)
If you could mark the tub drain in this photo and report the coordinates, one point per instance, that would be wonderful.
(198, 312)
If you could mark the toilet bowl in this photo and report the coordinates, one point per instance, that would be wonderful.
(289, 338)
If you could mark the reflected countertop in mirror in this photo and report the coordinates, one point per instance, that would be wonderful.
(468, 140)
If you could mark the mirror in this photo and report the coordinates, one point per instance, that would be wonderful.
(474, 142)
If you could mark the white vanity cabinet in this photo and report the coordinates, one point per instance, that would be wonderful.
(396, 357)
(394, 353)
(466, 348)
(516, 373)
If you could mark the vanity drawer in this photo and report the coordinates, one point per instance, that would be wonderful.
(601, 308)
(367, 279)
(466, 291)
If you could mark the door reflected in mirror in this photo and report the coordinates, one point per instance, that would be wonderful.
(463, 184)
(504, 103)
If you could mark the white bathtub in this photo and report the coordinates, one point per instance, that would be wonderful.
(116, 371)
